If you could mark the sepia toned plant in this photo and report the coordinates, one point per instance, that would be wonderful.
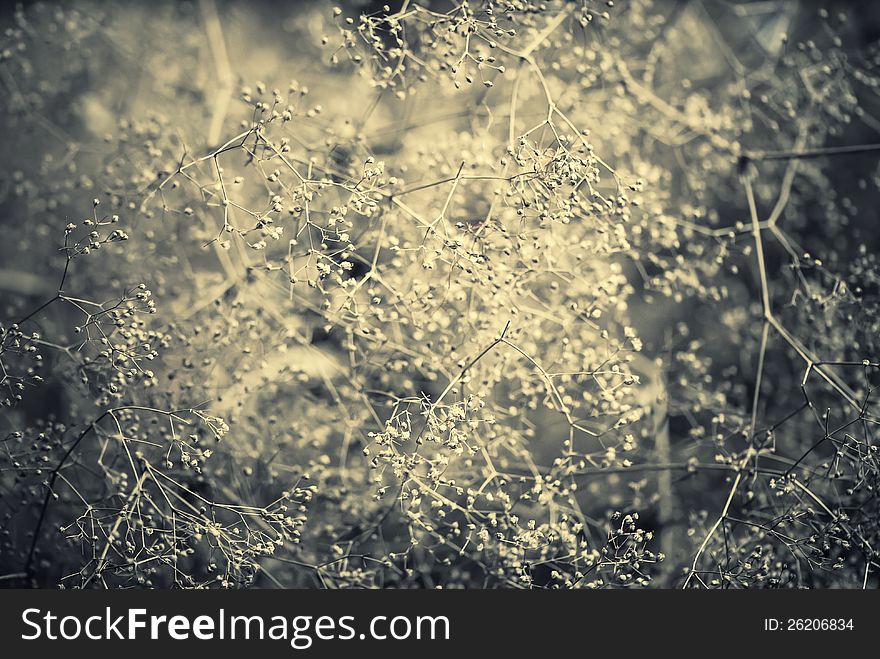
(503, 294)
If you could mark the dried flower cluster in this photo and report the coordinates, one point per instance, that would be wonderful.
(540, 295)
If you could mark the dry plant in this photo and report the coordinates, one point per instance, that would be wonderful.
(540, 295)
